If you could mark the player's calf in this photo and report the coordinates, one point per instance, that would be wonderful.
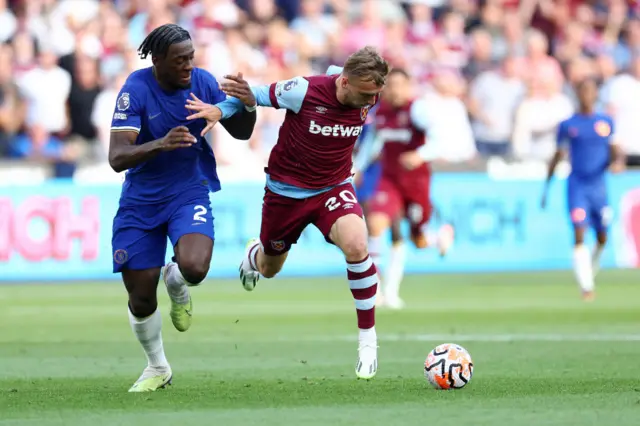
(269, 266)
(142, 287)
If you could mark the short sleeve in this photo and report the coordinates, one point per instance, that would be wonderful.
(128, 111)
(289, 94)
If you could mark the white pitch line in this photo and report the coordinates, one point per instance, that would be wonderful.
(383, 337)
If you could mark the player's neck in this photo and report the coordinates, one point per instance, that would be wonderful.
(162, 85)
(586, 111)
(339, 92)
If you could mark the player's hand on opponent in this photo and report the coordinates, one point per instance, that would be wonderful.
(238, 87)
(178, 137)
(211, 113)
(411, 160)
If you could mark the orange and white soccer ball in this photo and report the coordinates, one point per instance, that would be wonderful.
(448, 366)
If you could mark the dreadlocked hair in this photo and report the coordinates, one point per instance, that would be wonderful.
(158, 41)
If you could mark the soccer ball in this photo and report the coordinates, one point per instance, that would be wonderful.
(448, 366)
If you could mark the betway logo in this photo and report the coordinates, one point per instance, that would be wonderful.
(335, 130)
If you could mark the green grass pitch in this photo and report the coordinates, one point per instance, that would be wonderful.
(285, 353)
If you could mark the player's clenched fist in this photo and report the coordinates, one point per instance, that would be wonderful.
(238, 87)
(211, 113)
(178, 137)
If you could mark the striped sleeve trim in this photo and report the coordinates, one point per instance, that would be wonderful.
(125, 129)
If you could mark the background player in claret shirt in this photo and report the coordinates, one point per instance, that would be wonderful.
(309, 176)
(170, 171)
(403, 191)
(588, 139)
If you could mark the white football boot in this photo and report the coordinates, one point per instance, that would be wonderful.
(367, 365)
(152, 379)
(248, 276)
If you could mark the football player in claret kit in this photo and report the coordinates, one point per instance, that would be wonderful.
(170, 172)
(309, 176)
(588, 138)
(400, 134)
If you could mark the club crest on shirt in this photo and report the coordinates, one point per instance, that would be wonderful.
(123, 102)
(602, 128)
(364, 112)
(277, 245)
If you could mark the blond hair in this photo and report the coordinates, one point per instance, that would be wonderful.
(367, 65)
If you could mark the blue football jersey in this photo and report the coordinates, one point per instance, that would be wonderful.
(144, 107)
(588, 139)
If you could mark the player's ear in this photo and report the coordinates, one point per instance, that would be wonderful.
(344, 81)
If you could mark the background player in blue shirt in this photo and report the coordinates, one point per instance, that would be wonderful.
(170, 171)
(588, 139)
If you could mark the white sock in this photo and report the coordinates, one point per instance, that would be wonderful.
(582, 267)
(368, 336)
(595, 258)
(148, 331)
(375, 251)
(395, 271)
(253, 257)
(176, 284)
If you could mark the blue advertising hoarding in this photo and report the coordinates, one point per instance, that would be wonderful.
(62, 230)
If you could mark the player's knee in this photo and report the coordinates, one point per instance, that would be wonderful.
(354, 249)
(142, 306)
(194, 271)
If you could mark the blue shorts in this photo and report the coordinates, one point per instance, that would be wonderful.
(140, 232)
(369, 182)
(588, 206)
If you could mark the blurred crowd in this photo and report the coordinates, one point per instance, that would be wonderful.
(500, 74)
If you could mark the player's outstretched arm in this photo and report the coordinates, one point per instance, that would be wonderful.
(125, 154)
(288, 94)
(240, 124)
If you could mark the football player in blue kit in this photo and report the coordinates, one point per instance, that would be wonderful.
(170, 172)
(588, 138)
